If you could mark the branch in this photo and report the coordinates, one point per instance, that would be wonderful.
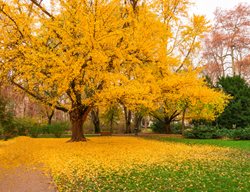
(187, 55)
(42, 8)
(12, 21)
(174, 115)
(155, 116)
(38, 97)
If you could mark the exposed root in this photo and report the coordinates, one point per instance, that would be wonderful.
(77, 140)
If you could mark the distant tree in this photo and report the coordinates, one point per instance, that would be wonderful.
(237, 113)
(6, 118)
(228, 43)
(244, 68)
(111, 116)
(95, 119)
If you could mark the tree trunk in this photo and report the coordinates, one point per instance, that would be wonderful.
(77, 118)
(128, 117)
(50, 116)
(183, 121)
(232, 60)
(95, 119)
(138, 121)
(167, 125)
(111, 127)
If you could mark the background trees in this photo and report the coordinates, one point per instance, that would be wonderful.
(227, 62)
(227, 46)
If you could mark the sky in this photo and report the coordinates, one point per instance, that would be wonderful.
(207, 7)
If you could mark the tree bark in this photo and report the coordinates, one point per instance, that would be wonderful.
(111, 127)
(183, 121)
(77, 117)
(167, 125)
(50, 116)
(95, 119)
(138, 121)
(128, 117)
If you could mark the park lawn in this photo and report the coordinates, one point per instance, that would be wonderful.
(130, 164)
(237, 144)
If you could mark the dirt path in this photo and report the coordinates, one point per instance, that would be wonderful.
(24, 180)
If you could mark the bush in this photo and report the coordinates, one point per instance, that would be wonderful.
(21, 126)
(7, 128)
(240, 134)
(224, 133)
(35, 130)
(211, 132)
(158, 127)
(202, 132)
(176, 128)
(57, 128)
(27, 126)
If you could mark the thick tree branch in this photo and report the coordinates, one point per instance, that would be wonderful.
(38, 97)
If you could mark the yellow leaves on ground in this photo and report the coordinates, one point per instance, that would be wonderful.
(101, 154)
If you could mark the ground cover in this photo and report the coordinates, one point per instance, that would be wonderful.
(130, 164)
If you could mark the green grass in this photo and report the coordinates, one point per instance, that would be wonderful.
(238, 144)
(196, 176)
(190, 176)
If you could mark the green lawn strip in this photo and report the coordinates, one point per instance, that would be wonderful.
(187, 176)
(238, 144)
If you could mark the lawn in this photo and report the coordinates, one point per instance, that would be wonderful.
(237, 144)
(132, 164)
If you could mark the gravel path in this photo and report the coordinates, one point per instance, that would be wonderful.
(25, 180)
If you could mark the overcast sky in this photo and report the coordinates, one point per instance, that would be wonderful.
(207, 7)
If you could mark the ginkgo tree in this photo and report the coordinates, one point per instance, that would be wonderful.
(69, 53)
(182, 90)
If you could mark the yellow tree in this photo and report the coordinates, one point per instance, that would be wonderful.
(177, 72)
(71, 54)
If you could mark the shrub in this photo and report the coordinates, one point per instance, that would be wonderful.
(176, 128)
(57, 128)
(210, 132)
(158, 127)
(35, 130)
(6, 119)
(241, 134)
(224, 133)
(25, 126)
(202, 132)
(21, 126)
